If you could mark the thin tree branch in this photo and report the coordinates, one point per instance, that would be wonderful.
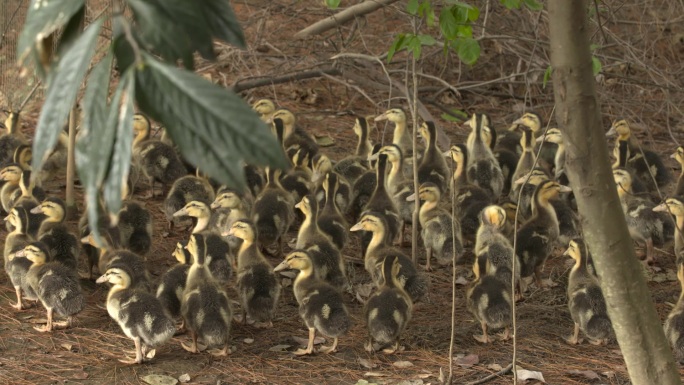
(243, 84)
(342, 17)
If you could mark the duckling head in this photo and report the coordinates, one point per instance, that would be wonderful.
(181, 253)
(141, 126)
(243, 229)
(623, 180)
(194, 209)
(673, 204)
(550, 189)
(197, 247)
(23, 155)
(18, 218)
(117, 277)
(264, 107)
(11, 173)
(53, 207)
(621, 128)
(321, 166)
(369, 222)
(288, 119)
(530, 120)
(392, 151)
(493, 216)
(361, 127)
(395, 115)
(226, 199)
(36, 252)
(458, 153)
(11, 122)
(536, 176)
(308, 205)
(577, 250)
(429, 192)
(678, 155)
(553, 135)
(297, 260)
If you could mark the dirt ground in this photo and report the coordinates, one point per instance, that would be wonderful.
(639, 81)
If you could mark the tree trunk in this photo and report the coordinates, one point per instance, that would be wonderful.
(637, 327)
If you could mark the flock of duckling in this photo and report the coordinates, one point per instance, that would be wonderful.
(494, 182)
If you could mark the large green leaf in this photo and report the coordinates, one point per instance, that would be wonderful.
(120, 120)
(215, 127)
(469, 50)
(63, 85)
(94, 142)
(72, 30)
(222, 22)
(448, 23)
(125, 56)
(44, 18)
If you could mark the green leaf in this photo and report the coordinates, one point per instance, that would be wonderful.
(412, 7)
(215, 127)
(547, 76)
(222, 22)
(44, 18)
(469, 51)
(455, 115)
(120, 120)
(125, 56)
(596, 65)
(415, 46)
(63, 85)
(511, 4)
(533, 5)
(427, 40)
(464, 30)
(94, 142)
(397, 45)
(333, 4)
(71, 32)
(448, 24)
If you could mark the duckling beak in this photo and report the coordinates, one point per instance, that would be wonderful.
(6, 218)
(20, 253)
(101, 279)
(214, 205)
(411, 197)
(539, 139)
(356, 227)
(181, 212)
(611, 132)
(661, 207)
(565, 189)
(374, 156)
(520, 180)
(673, 156)
(447, 154)
(566, 252)
(298, 205)
(36, 210)
(380, 117)
(282, 266)
(515, 124)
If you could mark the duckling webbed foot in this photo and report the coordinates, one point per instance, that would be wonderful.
(220, 352)
(505, 335)
(392, 349)
(598, 342)
(484, 338)
(310, 345)
(138, 354)
(574, 338)
(329, 349)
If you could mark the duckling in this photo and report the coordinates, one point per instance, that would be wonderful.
(495, 247)
(647, 164)
(469, 198)
(675, 206)
(56, 161)
(553, 135)
(172, 283)
(363, 188)
(437, 227)
(27, 196)
(55, 285)
(505, 153)
(645, 225)
(293, 136)
(388, 310)
(186, 189)
(621, 153)
(265, 108)
(380, 202)
(326, 259)
(399, 187)
(527, 159)
(17, 268)
(297, 180)
(109, 258)
(353, 166)
(135, 227)
(11, 139)
(568, 220)
(524, 192)
(273, 212)
(548, 152)
(433, 167)
(402, 136)
(331, 221)
(482, 168)
(158, 161)
(322, 167)
(320, 304)
(415, 284)
(255, 181)
(62, 245)
(138, 313)
(11, 175)
(228, 207)
(216, 247)
(23, 155)
(258, 287)
(537, 236)
(679, 157)
(585, 299)
(205, 305)
(674, 324)
(489, 300)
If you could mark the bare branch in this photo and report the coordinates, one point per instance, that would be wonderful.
(342, 17)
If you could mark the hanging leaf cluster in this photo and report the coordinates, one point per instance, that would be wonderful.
(214, 128)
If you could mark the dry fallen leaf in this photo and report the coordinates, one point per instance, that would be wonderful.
(496, 367)
(402, 364)
(66, 346)
(158, 379)
(467, 361)
(80, 375)
(588, 374)
(248, 341)
(279, 348)
(375, 374)
(524, 375)
(367, 363)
